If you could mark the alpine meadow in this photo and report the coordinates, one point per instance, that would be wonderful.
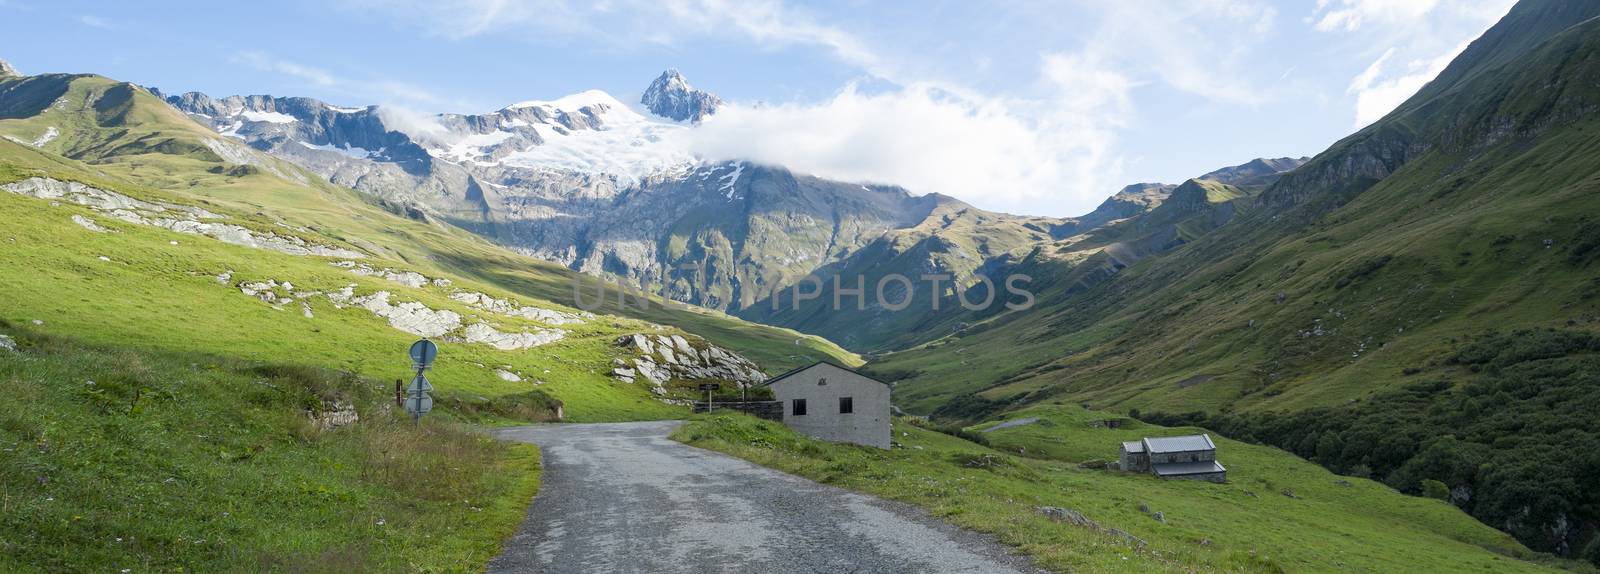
(874, 295)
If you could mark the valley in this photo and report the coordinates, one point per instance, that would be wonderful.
(205, 302)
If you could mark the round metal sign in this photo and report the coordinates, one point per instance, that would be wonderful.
(423, 353)
(419, 404)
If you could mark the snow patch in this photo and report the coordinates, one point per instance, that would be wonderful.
(50, 133)
(354, 152)
(269, 117)
(732, 178)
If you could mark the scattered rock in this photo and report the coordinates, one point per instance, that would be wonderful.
(7, 343)
(103, 258)
(88, 224)
(1145, 508)
(1068, 516)
(508, 376)
(173, 217)
(513, 309)
(412, 317)
(407, 278)
(483, 333)
(305, 309)
(661, 358)
(226, 277)
(1160, 517)
(38, 322)
(333, 415)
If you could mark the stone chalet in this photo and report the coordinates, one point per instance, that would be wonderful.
(1192, 457)
(833, 403)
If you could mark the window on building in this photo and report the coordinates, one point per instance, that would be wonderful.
(846, 405)
(798, 407)
(822, 382)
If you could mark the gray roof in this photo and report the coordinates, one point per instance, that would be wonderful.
(1133, 446)
(798, 370)
(1189, 443)
(1184, 468)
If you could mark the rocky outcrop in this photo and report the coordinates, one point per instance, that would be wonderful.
(412, 316)
(670, 96)
(485, 334)
(407, 278)
(662, 358)
(333, 414)
(179, 218)
(88, 224)
(511, 308)
(7, 71)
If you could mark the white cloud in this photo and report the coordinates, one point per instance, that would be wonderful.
(1178, 44)
(1379, 90)
(1046, 155)
(421, 126)
(93, 21)
(383, 91)
(628, 22)
(267, 63)
(1350, 15)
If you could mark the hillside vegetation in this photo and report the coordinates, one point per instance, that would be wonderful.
(1276, 514)
(114, 460)
(1468, 208)
(145, 286)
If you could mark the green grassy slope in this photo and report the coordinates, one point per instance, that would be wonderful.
(1472, 208)
(115, 461)
(1329, 524)
(955, 239)
(157, 294)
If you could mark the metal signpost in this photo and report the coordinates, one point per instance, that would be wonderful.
(708, 387)
(418, 402)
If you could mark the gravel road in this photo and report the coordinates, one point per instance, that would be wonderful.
(622, 498)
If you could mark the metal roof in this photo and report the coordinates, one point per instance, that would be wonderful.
(798, 370)
(1184, 468)
(1133, 446)
(1189, 443)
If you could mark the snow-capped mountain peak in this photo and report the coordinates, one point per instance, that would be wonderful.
(670, 96)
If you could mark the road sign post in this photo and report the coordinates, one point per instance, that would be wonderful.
(708, 387)
(418, 401)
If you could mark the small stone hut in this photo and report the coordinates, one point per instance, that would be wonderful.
(1192, 457)
(831, 402)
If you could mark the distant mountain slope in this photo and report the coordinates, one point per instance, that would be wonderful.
(586, 182)
(1465, 209)
(1361, 278)
(130, 224)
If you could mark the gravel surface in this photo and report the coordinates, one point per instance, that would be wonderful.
(624, 498)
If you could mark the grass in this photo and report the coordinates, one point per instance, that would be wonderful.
(1331, 523)
(1283, 305)
(117, 460)
(158, 291)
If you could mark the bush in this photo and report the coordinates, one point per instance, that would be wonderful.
(1434, 489)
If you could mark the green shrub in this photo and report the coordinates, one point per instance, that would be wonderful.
(1434, 489)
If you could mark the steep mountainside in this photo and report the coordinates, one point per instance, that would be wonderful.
(1360, 275)
(588, 183)
(126, 214)
(977, 253)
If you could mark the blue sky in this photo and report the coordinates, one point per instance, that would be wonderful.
(1026, 107)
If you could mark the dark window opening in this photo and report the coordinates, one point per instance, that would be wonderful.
(823, 382)
(798, 408)
(846, 405)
